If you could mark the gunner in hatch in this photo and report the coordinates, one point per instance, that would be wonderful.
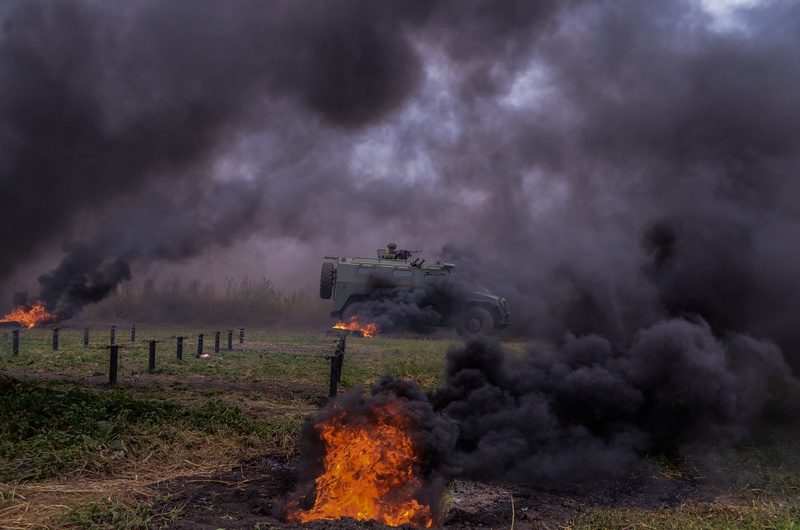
(391, 251)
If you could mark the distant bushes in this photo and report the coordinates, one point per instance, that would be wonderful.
(244, 302)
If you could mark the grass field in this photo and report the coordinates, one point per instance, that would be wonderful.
(76, 452)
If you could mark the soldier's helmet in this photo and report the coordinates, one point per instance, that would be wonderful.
(392, 245)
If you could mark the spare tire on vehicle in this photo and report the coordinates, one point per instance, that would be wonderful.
(326, 279)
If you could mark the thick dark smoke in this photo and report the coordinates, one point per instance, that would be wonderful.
(586, 410)
(624, 173)
(395, 308)
(602, 165)
(113, 118)
(583, 410)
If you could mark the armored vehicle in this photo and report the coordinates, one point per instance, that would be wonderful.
(350, 282)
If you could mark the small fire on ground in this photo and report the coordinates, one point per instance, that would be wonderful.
(30, 315)
(370, 470)
(355, 323)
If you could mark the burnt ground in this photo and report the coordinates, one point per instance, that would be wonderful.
(247, 497)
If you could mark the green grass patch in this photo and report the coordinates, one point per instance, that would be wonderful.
(49, 430)
(292, 357)
(101, 514)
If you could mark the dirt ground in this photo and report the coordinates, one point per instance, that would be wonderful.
(246, 497)
(250, 495)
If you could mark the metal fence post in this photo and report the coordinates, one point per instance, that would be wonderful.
(337, 361)
(113, 363)
(340, 354)
(334, 381)
(151, 357)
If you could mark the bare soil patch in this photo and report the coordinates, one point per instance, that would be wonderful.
(250, 495)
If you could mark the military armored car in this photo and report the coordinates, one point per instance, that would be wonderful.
(349, 282)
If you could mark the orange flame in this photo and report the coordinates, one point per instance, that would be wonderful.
(357, 324)
(369, 471)
(30, 315)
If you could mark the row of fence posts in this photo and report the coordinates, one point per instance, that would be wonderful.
(337, 359)
(114, 348)
(112, 341)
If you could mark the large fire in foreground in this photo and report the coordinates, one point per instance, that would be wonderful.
(370, 467)
(357, 324)
(30, 315)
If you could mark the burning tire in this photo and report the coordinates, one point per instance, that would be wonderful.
(475, 321)
(326, 279)
(352, 310)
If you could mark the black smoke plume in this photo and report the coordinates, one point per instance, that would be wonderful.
(82, 278)
(397, 308)
(588, 410)
(113, 119)
(536, 143)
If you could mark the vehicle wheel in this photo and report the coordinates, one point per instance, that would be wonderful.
(475, 321)
(352, 310)
(326, 278)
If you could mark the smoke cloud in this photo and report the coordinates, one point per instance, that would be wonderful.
(609, 168)
(394, 308)
(113, 120)
(586, 410)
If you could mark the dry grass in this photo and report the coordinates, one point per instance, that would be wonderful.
(132, 478)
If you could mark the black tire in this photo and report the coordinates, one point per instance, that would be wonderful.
(351, 311)
(475, 321)
(326, 279)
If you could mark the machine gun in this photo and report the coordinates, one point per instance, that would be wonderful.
(405, 254)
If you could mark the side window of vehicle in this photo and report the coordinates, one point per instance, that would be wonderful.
(432, 278)
(402, 273)
(363, 271)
